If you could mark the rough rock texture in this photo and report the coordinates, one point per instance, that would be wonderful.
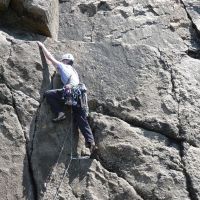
(37, 16)
(140, 62)
(192, 7)
(191, 159)
(152, 165)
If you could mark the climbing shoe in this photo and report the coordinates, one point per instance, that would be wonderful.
(94, 152)
(92, 147)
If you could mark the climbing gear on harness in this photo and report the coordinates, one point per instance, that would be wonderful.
(76, 96)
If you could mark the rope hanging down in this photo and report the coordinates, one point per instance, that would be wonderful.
(71, 156)
(66, 170)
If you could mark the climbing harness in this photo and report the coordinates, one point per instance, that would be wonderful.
(76, 96)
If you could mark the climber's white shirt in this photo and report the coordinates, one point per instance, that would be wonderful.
(68, 74)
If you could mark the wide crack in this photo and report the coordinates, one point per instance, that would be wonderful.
(189, 184)
(29, 166)
(194, 53)
(105, 110)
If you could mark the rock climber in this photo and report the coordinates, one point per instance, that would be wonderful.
(54, 98)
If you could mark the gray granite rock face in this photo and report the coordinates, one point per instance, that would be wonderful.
(192, 7)
(36, 16)
(140, 63)
(149, 161)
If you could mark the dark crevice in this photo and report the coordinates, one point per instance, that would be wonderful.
(37, 196)
(125, 4)
(174, 92)
(89, 9)
(194, 53)
(134, 121)
(35, 128)
(193, 194)
(29, 166)
(12, 43)
(30, 151)
(175, 96)
(103, 5)
(151, 9)
(63, 1)
(30, 170)
(93, 27)
(189, 185)
(190, 18)
(191, 191)
(124, 14)
(36, 119)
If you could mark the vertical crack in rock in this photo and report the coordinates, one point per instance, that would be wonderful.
(174, 92)
(189, 184)
(30, 170)
(29, 166)
(92, 32)
(190, 18)
(190, 189)
(196, 52)
(31, 151)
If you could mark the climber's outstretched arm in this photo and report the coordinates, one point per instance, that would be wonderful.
(48, 55)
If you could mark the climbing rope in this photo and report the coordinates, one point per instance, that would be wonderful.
(66, 170)
(70, 160)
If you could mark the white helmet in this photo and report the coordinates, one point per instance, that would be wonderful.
(68, 56)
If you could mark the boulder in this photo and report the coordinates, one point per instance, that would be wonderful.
(34, 16)
(150, 162)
